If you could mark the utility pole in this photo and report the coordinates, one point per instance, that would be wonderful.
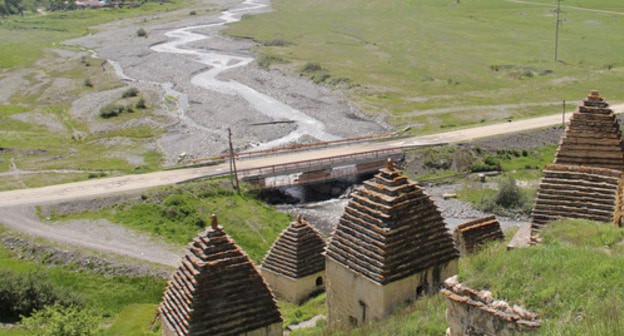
(233, 172)
(557, 24)
(563, 115)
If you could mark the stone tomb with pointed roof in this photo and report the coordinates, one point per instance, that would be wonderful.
(593, 138)
(585, 181)
(217, 291)
(390, 246)
(294, 267)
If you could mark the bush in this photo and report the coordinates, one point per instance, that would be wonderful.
(276, 43)
(111, 110)
(509, 194)
(88, 83)
(312, 67)
(141, 32)
(22, 294)
(509, 198)
(193, 12)
(57, 320)
(140, 104)
(131, 92)
(265, 60)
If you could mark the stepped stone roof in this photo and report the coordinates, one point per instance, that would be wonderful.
(297, 252)
(569, 191)
(216, 290)
(390, 230)
(470, 235)
(593, 137)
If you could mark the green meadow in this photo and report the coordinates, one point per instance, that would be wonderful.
(434, 65)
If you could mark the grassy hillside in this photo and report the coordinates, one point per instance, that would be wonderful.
(179, 213)
(573, 281)
(111, 298)
(24, 39)
(38, 130)
(434, 64)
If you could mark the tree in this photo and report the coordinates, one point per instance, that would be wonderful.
(57, 320)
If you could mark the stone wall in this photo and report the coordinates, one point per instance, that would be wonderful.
(477, 313)
(353, 300)
(471, 235)
(291, 289)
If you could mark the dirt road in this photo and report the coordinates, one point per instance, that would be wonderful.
(98, 187)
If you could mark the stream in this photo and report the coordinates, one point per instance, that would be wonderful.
(220, 62)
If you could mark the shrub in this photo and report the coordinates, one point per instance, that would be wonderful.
(312, 67)
(265, 60)
(509, 194)
(193, 12)
(22, 294)
(88, 83)
(140, 104)
(276, 43)
(57, 320)
(131, 92)
(111, 110)
(141, 32)
(509, 198)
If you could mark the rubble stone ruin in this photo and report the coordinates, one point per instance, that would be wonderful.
(586, 180)
(217, 291)
(471, 235)
(389, 247)
(294, 267)
(470, 312)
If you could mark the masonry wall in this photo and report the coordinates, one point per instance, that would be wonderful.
(353, 300)
(470, 312)
(272, 330)
(293, 290)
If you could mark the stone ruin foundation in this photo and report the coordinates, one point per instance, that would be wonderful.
(471, 235)
(477, 313)
(586, 180)
(294, 267)
(390, 247)
(217, 291)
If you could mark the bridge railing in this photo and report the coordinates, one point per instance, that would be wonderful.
(314, 164)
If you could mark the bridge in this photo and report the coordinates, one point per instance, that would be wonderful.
(278, 164)
(319, 170)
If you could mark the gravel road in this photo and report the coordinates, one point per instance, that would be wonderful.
(97, 235)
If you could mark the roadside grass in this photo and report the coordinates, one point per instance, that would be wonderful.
(179, 213)
(38, 180)
(403, 58)
(111, 297)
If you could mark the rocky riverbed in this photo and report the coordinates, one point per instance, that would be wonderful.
(208, 83)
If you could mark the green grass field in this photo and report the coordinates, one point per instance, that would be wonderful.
(448, 59)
